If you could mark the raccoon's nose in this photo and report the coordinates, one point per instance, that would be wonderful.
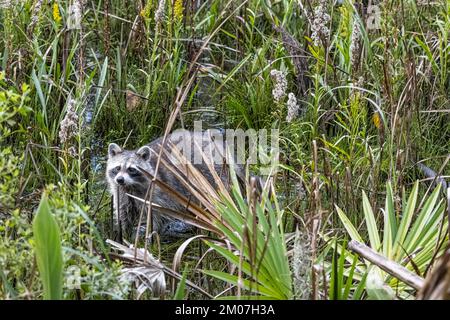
(120, 180)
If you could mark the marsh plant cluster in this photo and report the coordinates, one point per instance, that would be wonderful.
(356, 91)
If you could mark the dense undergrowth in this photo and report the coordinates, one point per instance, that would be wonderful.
(360, 96)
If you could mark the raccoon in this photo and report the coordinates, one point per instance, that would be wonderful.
(123, 176)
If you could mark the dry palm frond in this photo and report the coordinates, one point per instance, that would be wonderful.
(202, 213)
(147, 273)
(252, 235)
(185, 217)
(248, 227)
(148, 270)
(146, 279)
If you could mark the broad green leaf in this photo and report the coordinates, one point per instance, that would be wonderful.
(350, 278)
(48, 250)
(180, 294)
(101, 80)
(37, 85)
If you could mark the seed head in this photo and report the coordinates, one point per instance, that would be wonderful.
(292, 108)
(69, 125)
(320, 22)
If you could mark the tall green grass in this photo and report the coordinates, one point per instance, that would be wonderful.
(371, 106)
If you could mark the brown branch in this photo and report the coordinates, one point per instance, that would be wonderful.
(391, 267)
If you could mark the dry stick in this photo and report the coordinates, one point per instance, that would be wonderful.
(448, 210)
(141, 215)
(181, 96)
(315, 220)
(391, 267)
(117, 212)
(178, 215)
(240, 282)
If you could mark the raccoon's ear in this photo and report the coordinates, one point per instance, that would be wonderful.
(144, 152)
(114, 149)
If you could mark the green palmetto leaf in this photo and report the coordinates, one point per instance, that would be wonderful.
(336, 274)
(425, 216)
(101, 81)
(263, 256)
(276, 249)
(390, 222)
(431, 231)
(246, 267)
(361, 286)
(350, 278)
(339, 287)
(341, 250)
(405, 222)
(48, 250)
(244, 283)
(410, 240)
(372, 228)
(349, 226)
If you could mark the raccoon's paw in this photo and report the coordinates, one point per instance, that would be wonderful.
(168, 232)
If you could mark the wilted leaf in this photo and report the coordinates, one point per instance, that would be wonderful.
(376, 288)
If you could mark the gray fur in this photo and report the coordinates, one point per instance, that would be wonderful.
(134, 182)
(430, 173)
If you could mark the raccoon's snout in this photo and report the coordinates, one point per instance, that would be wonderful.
(120, 180)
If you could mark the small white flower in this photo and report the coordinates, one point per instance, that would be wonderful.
(159, 13)
(280, 87)
(74, 16)
(5, 4)
(292, 108)
(35, 15)
(320, 22)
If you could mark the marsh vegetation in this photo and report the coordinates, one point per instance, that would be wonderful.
(357, 206)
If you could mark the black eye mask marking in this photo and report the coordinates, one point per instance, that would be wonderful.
(113, 172)
(133, 172)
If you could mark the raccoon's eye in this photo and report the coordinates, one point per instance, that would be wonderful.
(132, 170)
(117, 168)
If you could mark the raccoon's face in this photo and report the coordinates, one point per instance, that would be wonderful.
(122, 167)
